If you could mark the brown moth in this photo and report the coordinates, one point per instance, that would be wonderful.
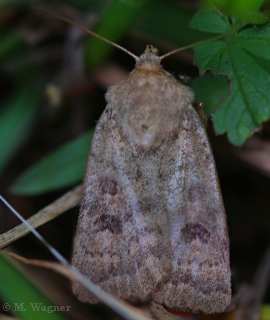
(152, 221)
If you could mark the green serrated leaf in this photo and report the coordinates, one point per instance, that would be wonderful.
(209, 19)
(248, 104)
(208, 55)
(256, 40)
(212, 90)
(61, 168)
(21, 297)
(249, 101)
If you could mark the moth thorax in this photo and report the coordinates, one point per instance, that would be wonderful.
(148, 127)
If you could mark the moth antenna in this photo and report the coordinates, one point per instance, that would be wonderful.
(92, 33)
(199, 43)
(170, 53)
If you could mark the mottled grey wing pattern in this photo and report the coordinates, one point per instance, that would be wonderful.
(200, 278)
(152, 219)
(150, 228)
(119, 244)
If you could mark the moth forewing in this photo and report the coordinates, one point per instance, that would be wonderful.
(152, 221)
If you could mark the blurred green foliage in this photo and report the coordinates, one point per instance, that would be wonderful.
(20, 105)
(245, 10)
(65, 166)
(21, 297)
(247, 106)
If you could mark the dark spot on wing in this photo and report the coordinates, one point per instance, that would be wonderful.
(109, 222)
(200, 282)
(108, 185)
(193, 231)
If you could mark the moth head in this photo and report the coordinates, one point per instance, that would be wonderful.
(149, 60)
(151, 49)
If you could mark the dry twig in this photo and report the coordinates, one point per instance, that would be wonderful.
(53, 210)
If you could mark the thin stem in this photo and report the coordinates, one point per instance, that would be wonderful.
(200, 42)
